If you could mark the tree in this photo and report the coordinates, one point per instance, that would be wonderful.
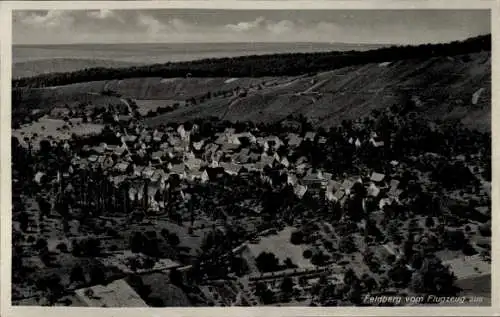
(44, 206)
(23, 221)
(155, 302)
(347, 244)
(400, 274)
(136, 242)
(97, 276)
(176, 277)
(307, 254)
(319, 258)
(239, 266)
(287, 287)
(62, 247)
(264, 293)
(41, 245)
(454, 239)
(77, 274)
(267, 262)
(173, 239)
(435, 278)
(289, 264)
(91, 247)
(296, 237)
(429, 222)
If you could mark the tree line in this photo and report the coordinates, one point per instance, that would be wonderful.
(290, 64)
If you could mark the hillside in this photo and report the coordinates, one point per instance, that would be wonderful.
(443, 88)
(59, 65)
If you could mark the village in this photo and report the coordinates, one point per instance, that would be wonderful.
(221, 214)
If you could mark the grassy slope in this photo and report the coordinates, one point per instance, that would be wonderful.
(444, 85)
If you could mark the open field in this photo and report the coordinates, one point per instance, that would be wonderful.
(46, 127)
(280, 245)
(444, 86)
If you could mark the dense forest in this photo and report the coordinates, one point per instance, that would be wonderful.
(261, 65)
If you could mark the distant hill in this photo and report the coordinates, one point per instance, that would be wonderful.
(61, 65)
(262, 65)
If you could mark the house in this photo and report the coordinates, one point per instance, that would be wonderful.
(117, 180)
(157, 156)
(293, 140)
(385, 202)
(376, 142)
(301, 160)
(394, 184)
(115, 294)
(377, 177)
(310, 136)
(39, 176)
(138, 170)
(193, 164)
(59, 112)
(93, 158)
(347, 185)
(300, 190)
(202, 176)
(291, 179)
(285, 162)
(241, 157)
(164, 146)
(121, 167)
(265, 161)
(314, 179)
(357, 143)
(230, 147)
(198, 145)
(333, 186)
(327, 176)
(330, 196)
(373, 190)
(273, 142)
(248, 136)
(182, 132)
(100, 149)
(210, 150)
(121, 150)
(148, 172)
(339, 194)
(230, 168)
(178, 169)
(129, 138)
(229, 131)
(394, 163)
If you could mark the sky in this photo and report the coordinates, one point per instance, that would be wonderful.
(213, 26)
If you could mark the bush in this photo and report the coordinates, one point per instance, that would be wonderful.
(297, 237)
(307, 254)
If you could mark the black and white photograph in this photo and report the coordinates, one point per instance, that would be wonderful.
(167, 157)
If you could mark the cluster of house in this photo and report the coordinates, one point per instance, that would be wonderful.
(175, 152)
